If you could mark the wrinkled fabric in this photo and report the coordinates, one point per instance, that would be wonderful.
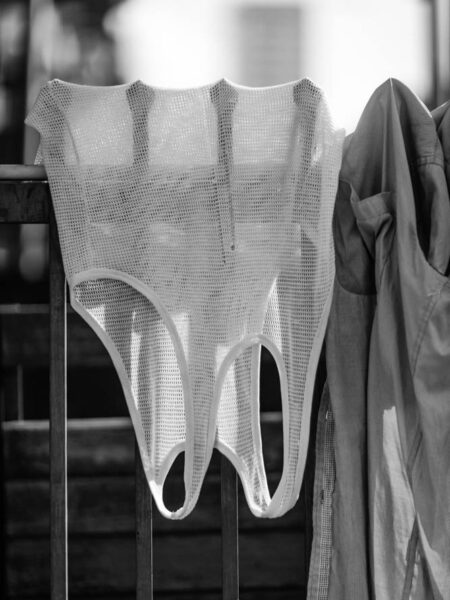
(441, 116)
(347, 349)
(388, 358)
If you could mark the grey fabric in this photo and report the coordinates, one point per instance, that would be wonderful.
(388, 358)
(403, 214)
(441, 116)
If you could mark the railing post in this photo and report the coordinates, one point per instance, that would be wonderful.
(230, 539)
(3, 515)
(58, 419)
(144, 533)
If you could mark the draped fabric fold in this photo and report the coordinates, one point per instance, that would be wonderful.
(388, 358)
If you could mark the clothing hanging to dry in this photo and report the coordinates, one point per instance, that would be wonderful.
(385, 526)
(196, 226)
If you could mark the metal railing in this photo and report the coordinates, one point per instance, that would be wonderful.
(25, 198)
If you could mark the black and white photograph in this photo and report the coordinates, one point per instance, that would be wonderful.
(224, 300)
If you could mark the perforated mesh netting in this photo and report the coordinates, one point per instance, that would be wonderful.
(195, 225)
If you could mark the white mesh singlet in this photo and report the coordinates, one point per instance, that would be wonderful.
(195, 226)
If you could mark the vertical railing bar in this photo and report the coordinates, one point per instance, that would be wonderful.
(434, 38)
(19, 392)
(230, 532)
(58, 420)
(308, 537)
(144, 533)
(3, 515)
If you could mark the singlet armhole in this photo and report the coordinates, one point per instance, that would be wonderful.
(246, 343)
(156, 486)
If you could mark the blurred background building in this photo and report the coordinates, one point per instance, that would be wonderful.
(347, 47)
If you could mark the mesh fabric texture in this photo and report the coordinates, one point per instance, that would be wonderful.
(195, 226)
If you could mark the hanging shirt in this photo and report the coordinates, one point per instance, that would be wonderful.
(195, 227)
(441, 117)
(388, 363)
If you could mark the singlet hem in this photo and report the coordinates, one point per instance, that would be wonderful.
(157, 484)
(248, 342)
